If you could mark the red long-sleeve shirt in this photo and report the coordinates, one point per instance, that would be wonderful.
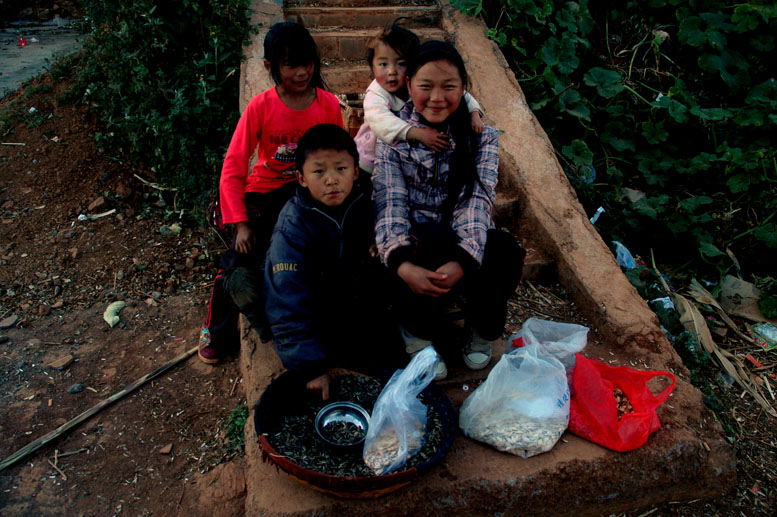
(273, 127)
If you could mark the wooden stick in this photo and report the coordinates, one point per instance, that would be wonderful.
(57, 469)
(234, 385)
(14, 143)
(43, 440)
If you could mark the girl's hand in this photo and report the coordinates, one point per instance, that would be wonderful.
(320, 384)
(244, 240)
(477, 122)
(431, 138)
(453, 272)
(421, 280)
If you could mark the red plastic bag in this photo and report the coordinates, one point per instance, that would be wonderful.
(594, 414)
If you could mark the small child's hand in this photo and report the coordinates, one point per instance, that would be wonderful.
(320, 384)
(477, 122)
(244, 240)
(374, 251)
(431, 138)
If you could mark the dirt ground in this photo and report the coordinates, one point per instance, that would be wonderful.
(59, 273)
(57, 276)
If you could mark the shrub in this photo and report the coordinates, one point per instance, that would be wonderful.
(664, 113)
(164, 78)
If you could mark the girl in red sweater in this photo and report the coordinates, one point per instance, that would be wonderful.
(271, 125)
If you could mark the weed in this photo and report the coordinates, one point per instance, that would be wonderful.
(682, 114)
(234, 433)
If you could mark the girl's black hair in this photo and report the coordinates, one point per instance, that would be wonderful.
(463, 172)
(404, 41)
(325, 136)
(291, 44)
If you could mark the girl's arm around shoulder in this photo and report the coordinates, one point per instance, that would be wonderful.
(378, 106)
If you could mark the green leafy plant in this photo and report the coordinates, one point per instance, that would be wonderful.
(164, 79)
(664, 113)
(234, 433)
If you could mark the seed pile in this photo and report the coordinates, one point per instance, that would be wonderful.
(520, 436)
(343, 433)
(622, 401)
(296, 437)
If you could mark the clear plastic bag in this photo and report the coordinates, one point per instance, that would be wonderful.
(398, 422)
(522, 407)
(559, 340)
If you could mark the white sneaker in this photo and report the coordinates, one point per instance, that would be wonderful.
(477, 353)
(413, 345)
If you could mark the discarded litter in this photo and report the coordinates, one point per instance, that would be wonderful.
(765, 334)
(623, 256)
(111, 314)
(595, 217)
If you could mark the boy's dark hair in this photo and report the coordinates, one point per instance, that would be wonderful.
(325, 136)
(404, 41)
(463, 169)
(291, 43)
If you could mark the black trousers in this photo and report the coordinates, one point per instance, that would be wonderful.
(238, 285)
(485, 289)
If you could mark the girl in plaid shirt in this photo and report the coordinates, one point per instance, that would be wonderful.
(433, 228)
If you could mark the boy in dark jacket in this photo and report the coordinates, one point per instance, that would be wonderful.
(324, 291)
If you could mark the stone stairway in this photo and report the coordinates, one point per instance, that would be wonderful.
(687, 458)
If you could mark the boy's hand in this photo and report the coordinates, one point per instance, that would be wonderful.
(431, 138)
(320, 384)
(244, 240)
(453, 272)
(477, 122)
(421, 280)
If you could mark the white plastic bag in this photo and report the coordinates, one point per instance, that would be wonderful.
(559, 340)
(398, 422)
(523, 406)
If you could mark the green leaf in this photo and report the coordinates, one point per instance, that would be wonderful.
(607, 82)
(654, 133)
(571, 102)
(578, 153)
(677, 110)
(470, 7)
(709, 250)
(620, 144)
(713, 114)
(690, 32)
(692, 203)
(738, 183)
(731, 66)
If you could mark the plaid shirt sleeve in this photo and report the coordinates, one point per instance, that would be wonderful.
(472, 218)
(392, 226)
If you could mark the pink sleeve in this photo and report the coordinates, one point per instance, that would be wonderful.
(235, 170)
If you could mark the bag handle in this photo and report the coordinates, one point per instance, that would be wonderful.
(664, 394)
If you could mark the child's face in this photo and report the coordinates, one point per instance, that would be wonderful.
(389, 68)
(329, 176)
(295, 79)
(436, 90)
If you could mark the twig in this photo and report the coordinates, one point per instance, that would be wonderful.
(154, 185)
(57, 469)
(234, 385)
(43, 440)
(539, 293)
(14, 143)
(79, 451)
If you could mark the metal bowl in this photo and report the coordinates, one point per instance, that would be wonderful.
(347, 412)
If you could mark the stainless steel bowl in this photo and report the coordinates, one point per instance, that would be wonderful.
(342, 412)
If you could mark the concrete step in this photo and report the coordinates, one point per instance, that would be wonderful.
(687, 458)
(347, 77)
(364, 17)
(325, 4)
(352, 44)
